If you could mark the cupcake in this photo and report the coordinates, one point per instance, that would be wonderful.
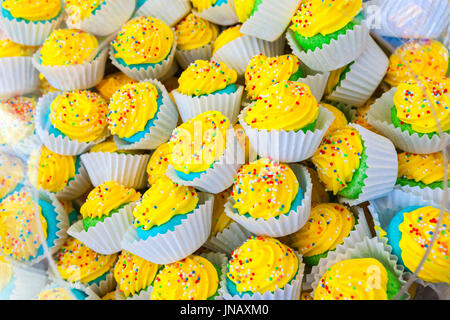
(273, 130)
(327, 35)
(170, 222)
(71, 59)
(144, 48)
(406, 115)
(30, 22)
(263, 269)
(195, 38)
(107, 214)
(211, 168)
(64, 129)
(141, 115)
(12, 174)
(206, 86)
(160, 10)
(18, 75)
(111, 83)
(217, 11)
(356, 164)
(159, 161)
(269, 198)
(99, 17)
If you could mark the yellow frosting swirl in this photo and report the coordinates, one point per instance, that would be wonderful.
(227, 36)
(262, 264)
(327, 226)
(263, 72)
(414, 100)
(6, 273)
(107, 197)
(417, 229)
(17, 116)
(131, 107)
(159, 161)
(196, 144)
(106, 146)
(201, 5)
(287, 105)
(426, 168)
(220, 220)
(353, 279)
(339, 122)
(324, 16)
(76, 262)
(11, 173)
(205, 77)
(427, 58)
(50, 171)
(143, 40)
(194, 32)
(110, 84)
(80, 115)
(68, 47)
(338, 157)
(33, 10)
(244, 9)
(12, 49)
(19, 229)
(265, 189)
(55, 294)
(164, 200)
(78, 10)
(133, 274)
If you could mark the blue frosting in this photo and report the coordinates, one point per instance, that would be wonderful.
(73, 217)
(5, 13)
(219, 3)
(140, 65)
(7, 291)
(49, 214)
(191, 175)
(80, 295)
(140, 3)
(231, 88)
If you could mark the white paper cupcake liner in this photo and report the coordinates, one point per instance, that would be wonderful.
(108, 18)
(27, 145)
(382, 167)
(223, 15)
(169, 13)
(228, 239)
(222, 174)
(237, 53)
(379, 116)
(142, 295)
(105, 237)
(186, 57)
(287, 146)
(162, 128)
(76, 187)
(229, 104)
(28, 282)
(290, 291)
(335, 55)
(284, 224)
(17, 77)
(364, 76)
(435, 195)
(127, 169)
(29, 33)
(60, 145)
(367, 248)
(174, 245)
(101, 288)
(317, 83)
(270, 19)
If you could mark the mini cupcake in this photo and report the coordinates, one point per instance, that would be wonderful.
(207, 86)
(141, 115)
(144, 48)
(30, 22)
(63, 176)
(170, 222)
(356, 164)
(286, 122)
(159, 161)
(99, 17)
(195, 37)
(69, 123)
(18, 76)
(327, 35)
(110, 84)
(406, 115)
(236, 49)
(71, 60)
(217, 11)
(213, 167)
(270, 198)
(107, 214)
(160, 10)
(12, 174)
(263, 269)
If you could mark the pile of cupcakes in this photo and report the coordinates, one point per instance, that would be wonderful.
(223, 150)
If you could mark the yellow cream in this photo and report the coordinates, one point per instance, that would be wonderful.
(287, 105)
(164, 200)
(193, 278)
(220, 220)
(110, 84)
(11, 173)
(159, 161)
(227, 36)
(12, 49)
(244, 9)
(33, 10)
(78, 10)
(262, 264)
(201, 5)
(426, 168)
(55, 294)
(337, 158)
(318, 194)
(80, 115)
(106, 146)
(194, 32)
(339, 122)
(17, 116)
(263, 72)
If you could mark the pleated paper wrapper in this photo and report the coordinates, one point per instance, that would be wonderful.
(223, 15)
(186, 57)
(17, 77)
(427, 193)
(170, 13)
(228, 239)
(28, 282)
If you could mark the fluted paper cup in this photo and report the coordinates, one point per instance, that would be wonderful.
(174, 245)
(28, 282)
(76, 187)
(379, 116)
(229, 104)
(186, 57)
(287, 146)
(435, 195)
(317, 82)
(169, 13)
(101, 287)
(142, 295)
(17, 77)
(229, 239)
(223, 15)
